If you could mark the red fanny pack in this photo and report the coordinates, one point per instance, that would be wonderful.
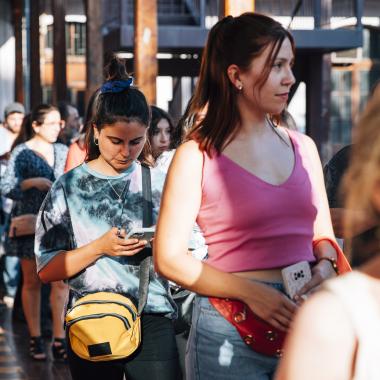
(255, 332)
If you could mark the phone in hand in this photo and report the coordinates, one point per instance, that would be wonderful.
(295, 277)
(141, 233)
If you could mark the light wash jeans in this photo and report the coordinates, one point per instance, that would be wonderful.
(10, 265)
(11, 275)
(215, 349)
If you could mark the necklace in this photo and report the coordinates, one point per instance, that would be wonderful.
(117, 194)
(119, 200)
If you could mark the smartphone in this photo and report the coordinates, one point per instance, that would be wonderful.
(295, 277)
(141, 233)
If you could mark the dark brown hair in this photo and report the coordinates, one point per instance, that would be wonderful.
(157, 115)
(90, 111)
(233, 40)
(111, 107)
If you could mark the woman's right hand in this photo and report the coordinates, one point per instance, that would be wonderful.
(40, 183)
(272, 306)
(113, 243)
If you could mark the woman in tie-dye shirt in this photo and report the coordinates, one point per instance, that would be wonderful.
(77, 234)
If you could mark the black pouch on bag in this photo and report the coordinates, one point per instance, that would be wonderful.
(184, 300)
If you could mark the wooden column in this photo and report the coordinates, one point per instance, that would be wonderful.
(94, 47)
(35, 72)
(237, 7)
(145, 53)
(175, 105)
(59, 51)
(318, 87)
(17, 6)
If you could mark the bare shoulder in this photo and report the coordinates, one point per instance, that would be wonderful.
(189, 147)
(183, 181)
(308, 147)
(324, 321)
(188, 154)
(306, 140)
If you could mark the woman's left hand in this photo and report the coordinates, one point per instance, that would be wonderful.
(320, 272)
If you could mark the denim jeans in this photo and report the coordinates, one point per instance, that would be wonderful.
(11, 275)
(10, 265)
(215, 349)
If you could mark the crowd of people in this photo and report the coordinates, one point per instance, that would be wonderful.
(236, 195)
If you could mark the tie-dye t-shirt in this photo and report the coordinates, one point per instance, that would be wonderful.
(81, 206)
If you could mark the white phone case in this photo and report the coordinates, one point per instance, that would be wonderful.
(141, 233)
(295, 277)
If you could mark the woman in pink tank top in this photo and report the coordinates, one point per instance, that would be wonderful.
(257, 192)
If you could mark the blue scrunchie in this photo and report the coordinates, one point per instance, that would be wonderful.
(115, 86)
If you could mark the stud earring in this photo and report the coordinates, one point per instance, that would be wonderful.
(96, 141)
(240, 87)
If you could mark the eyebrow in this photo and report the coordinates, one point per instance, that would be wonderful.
(282, 59)
(138, 138)
(161, 127)
(118, 138)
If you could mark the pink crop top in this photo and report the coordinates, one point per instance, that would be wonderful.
(250, 224)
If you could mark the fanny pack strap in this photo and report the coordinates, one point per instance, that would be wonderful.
(147, 222)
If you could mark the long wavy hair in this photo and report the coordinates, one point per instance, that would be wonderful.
(363, 174)
(233, 40)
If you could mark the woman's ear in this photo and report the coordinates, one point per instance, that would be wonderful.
(233, 73)
(36, 127)
(95, 130)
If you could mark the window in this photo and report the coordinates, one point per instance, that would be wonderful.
(75, 38)
(341, 107)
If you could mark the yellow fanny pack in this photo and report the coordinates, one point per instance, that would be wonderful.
(103, 326)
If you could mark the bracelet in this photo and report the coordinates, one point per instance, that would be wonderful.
(332, 261)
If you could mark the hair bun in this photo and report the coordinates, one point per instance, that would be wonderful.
(116, 70)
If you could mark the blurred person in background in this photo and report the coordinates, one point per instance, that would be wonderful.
(36, 161)
(362, 237)
(13, 116)
(72, 123)
(160, 132)
(336, 333)
(10, 265)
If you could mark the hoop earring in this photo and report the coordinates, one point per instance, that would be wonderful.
(96, 142)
